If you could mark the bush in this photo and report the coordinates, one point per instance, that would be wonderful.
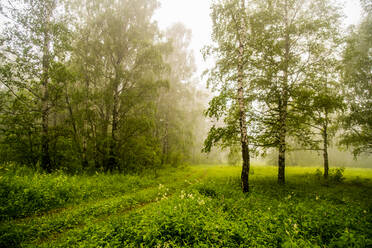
(337, 175)
(318, 174)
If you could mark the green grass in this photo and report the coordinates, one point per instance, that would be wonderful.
(200, 206)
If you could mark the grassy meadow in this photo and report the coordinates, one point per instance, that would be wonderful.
(196, 206)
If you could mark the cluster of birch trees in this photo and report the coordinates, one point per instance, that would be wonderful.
(288, 76)
(95, 85)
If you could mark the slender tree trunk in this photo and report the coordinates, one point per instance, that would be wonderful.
(75, 130)
(104, 150)
(114, 127)
(246, 167)
(45, 155)
(85, 163)
(165, 143)
(33, 161)
(283, 106)
(53, 140)
(325, 147)
(282, 139)
(281, 159)
(86, 135)
(97, 165)
(242, 115)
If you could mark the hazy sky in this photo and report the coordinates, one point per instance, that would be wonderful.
(195, 15)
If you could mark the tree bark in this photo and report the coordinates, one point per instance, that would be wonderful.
(242, 114)
(45, 155)
(105, 144)
(114, 126)
(283, 106)
(325, 147)
(165, 157)
(281, 159)
(76, 135)
(282, 138)
(86, 135)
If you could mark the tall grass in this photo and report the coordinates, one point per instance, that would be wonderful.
(24, 192)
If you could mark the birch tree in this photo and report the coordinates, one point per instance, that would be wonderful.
(229, 78)
(294, 35)
(34, 46)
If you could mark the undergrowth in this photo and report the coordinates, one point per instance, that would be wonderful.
(209, 210)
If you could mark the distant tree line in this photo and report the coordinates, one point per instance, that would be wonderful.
(95, 85)
(288, 78)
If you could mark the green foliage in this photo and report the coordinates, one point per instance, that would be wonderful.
(286, 54)
(234, 157)
(231, 69)
(357, 62)
(337, 175)
(179, 107)
(94, 87)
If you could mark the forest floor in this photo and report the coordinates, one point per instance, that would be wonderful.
(196, 206)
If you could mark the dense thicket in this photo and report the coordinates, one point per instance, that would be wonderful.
(357, 76)
(95, 84)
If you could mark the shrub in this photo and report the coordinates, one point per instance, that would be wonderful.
(337, 175)
(318, 174)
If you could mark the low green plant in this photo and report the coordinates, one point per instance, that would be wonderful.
(24, 194)
(209, 210)
(337, 175)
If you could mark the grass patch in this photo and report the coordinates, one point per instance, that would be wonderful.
(204, 207)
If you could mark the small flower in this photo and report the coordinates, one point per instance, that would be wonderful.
(316, 197)
(295, 228)
(182, 194)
